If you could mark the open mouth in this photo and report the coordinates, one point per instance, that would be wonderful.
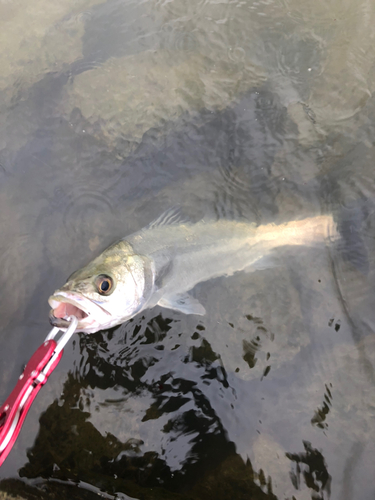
(62, 308)
(60, 315)
(91, 315)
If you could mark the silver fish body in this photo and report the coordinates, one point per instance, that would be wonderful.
(161, 263)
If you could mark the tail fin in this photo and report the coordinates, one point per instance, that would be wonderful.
(311, 231)
(350, 226)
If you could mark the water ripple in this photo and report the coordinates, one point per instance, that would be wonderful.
(179, 40)
(85, 211)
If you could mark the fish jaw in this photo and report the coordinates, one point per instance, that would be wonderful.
(91, 316)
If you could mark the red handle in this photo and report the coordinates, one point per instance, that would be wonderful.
(13, 412)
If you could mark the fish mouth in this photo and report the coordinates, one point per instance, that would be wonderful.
(64, 305)
(59, 316)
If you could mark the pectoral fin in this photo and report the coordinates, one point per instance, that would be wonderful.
(183, 303)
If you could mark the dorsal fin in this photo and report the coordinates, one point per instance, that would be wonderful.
(170, 217)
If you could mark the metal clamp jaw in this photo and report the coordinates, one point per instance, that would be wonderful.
(42, 363)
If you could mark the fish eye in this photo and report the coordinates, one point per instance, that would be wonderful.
(104, 284)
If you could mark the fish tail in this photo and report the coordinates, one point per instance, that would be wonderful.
(351, 226)
(310, 231)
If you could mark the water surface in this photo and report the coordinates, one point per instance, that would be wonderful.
(112, 113)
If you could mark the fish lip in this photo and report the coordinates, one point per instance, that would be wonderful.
(59, 322)
(75, 299)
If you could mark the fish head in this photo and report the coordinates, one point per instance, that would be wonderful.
(105, 293)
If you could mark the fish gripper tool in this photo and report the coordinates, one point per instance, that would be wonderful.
(42, 363)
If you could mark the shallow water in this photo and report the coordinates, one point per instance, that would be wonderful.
(112, 113)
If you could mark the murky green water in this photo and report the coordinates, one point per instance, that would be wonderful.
(112, 112)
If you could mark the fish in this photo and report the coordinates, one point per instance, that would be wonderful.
(161, 263)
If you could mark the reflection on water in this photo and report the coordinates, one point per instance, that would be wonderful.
(112, 112)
